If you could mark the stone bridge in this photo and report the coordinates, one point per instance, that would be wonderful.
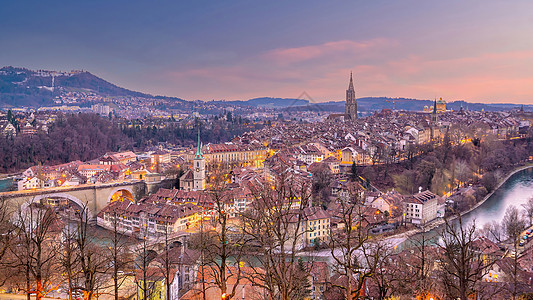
(94, 196)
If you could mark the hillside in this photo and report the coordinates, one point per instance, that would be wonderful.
(269, 102)
(24, 87)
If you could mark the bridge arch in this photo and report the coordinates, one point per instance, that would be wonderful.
(69, 197)
(121, 194)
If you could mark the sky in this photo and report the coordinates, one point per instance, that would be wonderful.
(476, 50)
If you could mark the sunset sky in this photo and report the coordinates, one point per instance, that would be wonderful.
(479, 51)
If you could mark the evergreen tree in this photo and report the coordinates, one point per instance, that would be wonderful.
(353, 172)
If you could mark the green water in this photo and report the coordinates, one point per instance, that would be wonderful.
(6, 185)
(515, 191)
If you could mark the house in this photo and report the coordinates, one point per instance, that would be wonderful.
(29, 183)
(160, 157)
(388, 202)
(125, 157)
(245, 288)
(313, 228)
(351, 155)
(147, 218)
(332, 163)
(93, 170)
(319, 277)
(185, 264)
(421, 208)
(108, 159)
(8, 130)
(152, 283)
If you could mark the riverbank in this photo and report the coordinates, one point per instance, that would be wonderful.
(401, 237)
(516, 170)
(10, 175)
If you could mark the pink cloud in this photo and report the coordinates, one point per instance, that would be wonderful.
(329, 49)
(380, 66)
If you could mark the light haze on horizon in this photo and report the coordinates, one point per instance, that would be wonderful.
(478, 51)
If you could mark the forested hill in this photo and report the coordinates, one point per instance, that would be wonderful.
(24, 87)
(72, 137)
(87, 136)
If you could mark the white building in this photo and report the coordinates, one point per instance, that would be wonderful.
(421, 208)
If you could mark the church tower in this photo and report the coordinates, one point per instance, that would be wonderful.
(198, 168)
(350, 108)
(434, 117)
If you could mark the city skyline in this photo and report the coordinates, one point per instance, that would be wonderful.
(476, 51)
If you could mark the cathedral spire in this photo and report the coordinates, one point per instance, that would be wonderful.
(199, 150)
(350, 108)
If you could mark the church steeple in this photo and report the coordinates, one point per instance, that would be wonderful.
(198, 168)
(434, 113)
(198, 153)
(350, 86)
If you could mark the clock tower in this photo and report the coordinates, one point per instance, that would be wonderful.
(198, 168)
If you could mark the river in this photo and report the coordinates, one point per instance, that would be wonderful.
(6, 184)
(516, 190)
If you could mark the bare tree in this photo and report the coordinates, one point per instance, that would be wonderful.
(463, 173)
(67, 256)
(493, 231)
(143, 266)
(513, 224)
(462, 265)
(276, 227)
(347, 247)
(528, 210)
(35, 249)
(118, 255)
(90, 256)
(224, 243)
(167, 263)
(422, 265)
(386, 275)
(6, 237)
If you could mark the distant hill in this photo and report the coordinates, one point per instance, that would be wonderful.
(371, 104)
(269, 102)
(24, 87)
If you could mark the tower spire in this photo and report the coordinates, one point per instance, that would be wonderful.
(350, 87)
(199, 149)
